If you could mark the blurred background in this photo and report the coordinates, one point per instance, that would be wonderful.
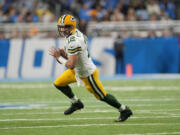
(126, 37)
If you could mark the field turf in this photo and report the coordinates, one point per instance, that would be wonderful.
(36, 108)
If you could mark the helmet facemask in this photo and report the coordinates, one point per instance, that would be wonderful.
(65, 30)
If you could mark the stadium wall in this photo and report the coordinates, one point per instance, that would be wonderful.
(29, 59)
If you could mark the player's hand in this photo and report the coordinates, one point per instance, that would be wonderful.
(55, 53)
(62, 52)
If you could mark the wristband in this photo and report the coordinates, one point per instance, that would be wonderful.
(62, 60)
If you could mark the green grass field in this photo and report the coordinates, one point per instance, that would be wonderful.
(37, 109)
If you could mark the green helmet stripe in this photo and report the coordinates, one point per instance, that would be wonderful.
(63, 18)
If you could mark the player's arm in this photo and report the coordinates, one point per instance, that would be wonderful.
(73, 53)
(69, 62)
(63, 53)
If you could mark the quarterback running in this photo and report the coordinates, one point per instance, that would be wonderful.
(80, 69)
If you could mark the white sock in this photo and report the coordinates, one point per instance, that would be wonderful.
(122, 108)
(74, 99)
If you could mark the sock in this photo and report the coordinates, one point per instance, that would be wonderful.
(112, 101)
(66, 90)
(74, 99)
(122, 108)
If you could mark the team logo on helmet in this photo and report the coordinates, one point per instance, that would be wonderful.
(72, 19)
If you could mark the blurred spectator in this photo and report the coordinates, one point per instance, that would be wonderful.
(119, 54)
(5, 5)
(135, 3)
(87, 10)
(152, 34)
(84, 13)
(164, 16)
(167, 33)
(169, 7)
(2, 17)
(106, 16)
(35, 17)
(141, 12)
(153, 17)
(45, 14)
(45, 11)
(110, 4)
(22, 15)
(117, 14)
(153, 7)
(1, 3)
(131, 15)
(29, 4)
(2, 36)
(13, 15)
(97, 13)
(76, 6)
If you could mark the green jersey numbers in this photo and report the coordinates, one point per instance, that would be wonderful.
(71, 39)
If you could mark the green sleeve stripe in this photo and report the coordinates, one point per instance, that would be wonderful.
(74, 48)
(75, 51)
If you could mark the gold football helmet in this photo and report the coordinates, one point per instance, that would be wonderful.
(66, 25)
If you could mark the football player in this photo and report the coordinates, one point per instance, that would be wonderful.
(81, 69)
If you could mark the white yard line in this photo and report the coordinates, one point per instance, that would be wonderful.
(85, 118)
(91, 125)
(161, 133)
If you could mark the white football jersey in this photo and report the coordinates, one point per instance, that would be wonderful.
(77, 44)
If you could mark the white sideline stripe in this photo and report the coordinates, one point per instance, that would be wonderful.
(96, 111)
(94, 118)
(58, 108)
(113, 88)
(64, 107)
(164, 133)
(91, 125)
(43, 106)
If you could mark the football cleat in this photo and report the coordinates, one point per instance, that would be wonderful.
(124, 115)
(74, 107)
